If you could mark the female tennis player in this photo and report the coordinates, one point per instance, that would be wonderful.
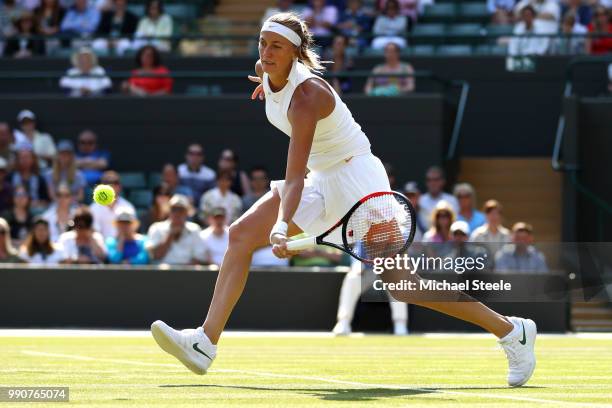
(326, 140)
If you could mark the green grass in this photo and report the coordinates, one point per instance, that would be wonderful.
(309, 372)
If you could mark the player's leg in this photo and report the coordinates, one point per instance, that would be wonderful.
(249, 232)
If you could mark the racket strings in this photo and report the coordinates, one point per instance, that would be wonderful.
(380, 227)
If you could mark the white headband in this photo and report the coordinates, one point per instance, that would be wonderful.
(280, 29)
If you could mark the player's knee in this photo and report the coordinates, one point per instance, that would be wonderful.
(241, 235)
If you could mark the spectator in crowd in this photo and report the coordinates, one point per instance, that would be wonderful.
(49, 15)
(117, 25)
(60, 214)
(441, 219)
(86, 77)
(408, 8)
(64, 171)
(580, 9)
(6, 189)
(175, 241)
(8, 254)
(466, 197)
(493, 233)
(91, 160)
(523, 44)
(7, 144)
(501, 11)
(83, 245)
(215, 238)
(260, 185)
(520, 256)
(547, 13)
(395, 85)
(29, 4)
(24, 42)
(19, 217)
(105, 215)
(355, 21)
(194, 174)
(390, 27)
(282, 6)
(160, 208)
(341, 63)
(321, 19)
(228, 162)
(41, 142)
(38, 248)
(127, 247)
(221, 196)
(81, 19)
(150, 78)
(170, 177)
(462, 248)
(27, 175)
(435, 180)
(154, 25)
(600, 25)
(9, 12)
(412, 192)
(566, 43)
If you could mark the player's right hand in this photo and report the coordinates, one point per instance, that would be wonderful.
(259, 90)
(279, 247)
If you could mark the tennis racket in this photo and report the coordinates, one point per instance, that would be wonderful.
(380, 225)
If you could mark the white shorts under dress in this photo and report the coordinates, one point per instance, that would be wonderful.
(330, 193)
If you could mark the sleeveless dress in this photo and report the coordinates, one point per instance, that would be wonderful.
(342, 166)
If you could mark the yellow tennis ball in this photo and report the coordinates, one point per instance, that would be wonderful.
(104, 194)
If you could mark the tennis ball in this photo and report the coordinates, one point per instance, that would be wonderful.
(104, 194)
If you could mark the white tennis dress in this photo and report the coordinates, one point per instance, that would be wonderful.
(342, 166)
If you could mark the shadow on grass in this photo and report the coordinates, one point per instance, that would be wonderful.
(326, 394)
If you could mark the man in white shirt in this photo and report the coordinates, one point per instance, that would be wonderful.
(42, 143)
(104, 215)
(523, 44)
(435, 181)
(175, 241)
(547, 13)
(221, 196)
(215, 238)
(493, 234)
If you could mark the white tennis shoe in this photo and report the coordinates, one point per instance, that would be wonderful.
(519, 348)
(190, 346)
(342, 328)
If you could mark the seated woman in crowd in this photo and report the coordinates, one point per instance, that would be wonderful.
(27, 175)
(321, 20)
(391, 86)
(127, 247)
(156, 24)
(160, 209)
(442, 217)
(64, 171)
(59, 215)
(117, 26)
(228, 162)
(600, 25)
(37, 248)
(390, 26)
(24, 42)
(8, 254)
(341, 63)
(19, 217)
(150, 78)
(86, 77)
(83, 245)
(49, 15)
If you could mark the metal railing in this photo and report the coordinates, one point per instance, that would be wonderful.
(558, 164)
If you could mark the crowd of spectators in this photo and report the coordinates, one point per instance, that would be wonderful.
(47, 218)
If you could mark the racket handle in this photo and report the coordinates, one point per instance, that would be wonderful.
(303, 243)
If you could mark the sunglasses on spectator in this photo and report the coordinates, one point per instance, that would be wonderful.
(195, 153)
(20, 195)
(116, 182)
(64, 195)
(464, 196)
(443, 214)
(86, 142)
(433, 178)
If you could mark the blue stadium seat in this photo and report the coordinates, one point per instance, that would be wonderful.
(422, 50)
(468, 29)
(138, 9)
(182, 11)
(429, 30)
(458, 49)
(497, 29)
(141, 198)
(133, 180)
(474, 10)
(444, 11)
(373, 52)
(154, 179)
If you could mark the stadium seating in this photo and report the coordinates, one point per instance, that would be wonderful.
(133, 180)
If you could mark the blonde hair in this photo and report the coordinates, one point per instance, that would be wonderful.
(306, 52)
(8, 245)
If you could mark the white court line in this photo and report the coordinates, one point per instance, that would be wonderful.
(266, 334)
(321, 379)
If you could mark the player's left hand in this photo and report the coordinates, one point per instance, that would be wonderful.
(259, 91)
(279, 247)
